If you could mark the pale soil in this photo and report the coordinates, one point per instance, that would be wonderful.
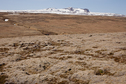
(65, 59)
(62, 49)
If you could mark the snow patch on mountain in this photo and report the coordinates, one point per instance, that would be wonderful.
(69, 11)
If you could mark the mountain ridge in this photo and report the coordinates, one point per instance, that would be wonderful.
(68, 11)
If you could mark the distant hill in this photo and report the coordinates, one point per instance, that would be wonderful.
(70, 11)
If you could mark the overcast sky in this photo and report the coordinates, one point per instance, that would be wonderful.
(106, 6)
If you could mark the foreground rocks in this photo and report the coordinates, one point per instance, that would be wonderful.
(64, 59)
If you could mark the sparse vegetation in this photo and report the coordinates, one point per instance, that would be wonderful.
(100, 51)
(15, 44)
(63, 82)
(103, 72)
(58, 24)
(3, 79)
(99, 72)
(52, 43)
(47, 32)
(4, 49)
(62, 59)
(111, 53)
(77, 81)
(121, 59)
(81, 63)
(1, 66)
(95, 47)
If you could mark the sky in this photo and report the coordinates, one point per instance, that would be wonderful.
(105, 6)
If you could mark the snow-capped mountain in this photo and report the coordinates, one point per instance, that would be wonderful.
(70, 11)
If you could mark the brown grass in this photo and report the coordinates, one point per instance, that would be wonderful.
(53, 43)
(83, 64)
(121, 59)
(4, 49)
(67, 73)
(53, 24)
(63, 82)
(47, 32)
(62, 57)
(77, 81)
(103, 72)
(3, 79)
(1, 66)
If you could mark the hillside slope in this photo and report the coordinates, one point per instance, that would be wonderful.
(53, 24)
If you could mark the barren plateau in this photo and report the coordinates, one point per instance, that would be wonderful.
(62, 49)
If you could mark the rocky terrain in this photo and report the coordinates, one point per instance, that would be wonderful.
(62, 49)
(64, 59)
